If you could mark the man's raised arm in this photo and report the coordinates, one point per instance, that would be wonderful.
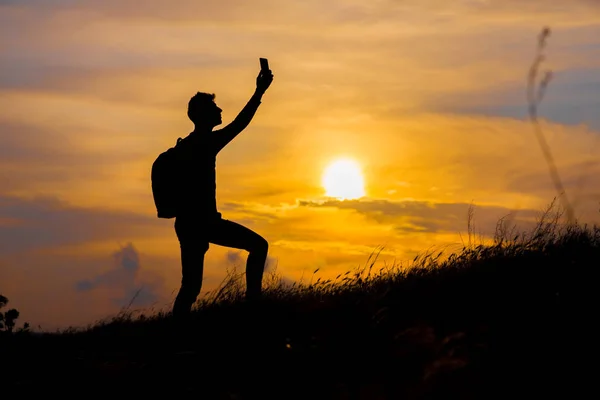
(226, 134)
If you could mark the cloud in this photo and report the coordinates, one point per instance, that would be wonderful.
(464, 47)
(344, 11)
(409, 217)
(46, 222)
(126, 282)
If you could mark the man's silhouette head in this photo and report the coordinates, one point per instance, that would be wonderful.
(203, 111)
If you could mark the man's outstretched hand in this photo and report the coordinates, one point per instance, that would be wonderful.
(263, 81)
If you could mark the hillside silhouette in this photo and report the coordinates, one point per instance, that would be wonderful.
(512, 318)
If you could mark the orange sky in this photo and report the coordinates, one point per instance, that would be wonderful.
(427, 96)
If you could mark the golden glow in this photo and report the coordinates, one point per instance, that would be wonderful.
(343, 180)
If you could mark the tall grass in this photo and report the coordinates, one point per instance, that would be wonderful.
(536, 89)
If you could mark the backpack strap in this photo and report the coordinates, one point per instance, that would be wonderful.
(178, 144)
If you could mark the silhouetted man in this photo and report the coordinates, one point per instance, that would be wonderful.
(197, 222)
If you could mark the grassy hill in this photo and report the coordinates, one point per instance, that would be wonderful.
(515, 318)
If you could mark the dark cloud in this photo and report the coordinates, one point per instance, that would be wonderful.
(125, 281)
(43, 222)
(234, 257)
(224, 11)
(427, 217)
(572, 98)
(54, 149)
(37, 3)
(251, 216)
(580, 180)
(347, 11)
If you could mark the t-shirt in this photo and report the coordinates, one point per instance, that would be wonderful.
(198, 159)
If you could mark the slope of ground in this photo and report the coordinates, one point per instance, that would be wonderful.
(515, 318)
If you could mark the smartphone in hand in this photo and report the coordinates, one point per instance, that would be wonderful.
(264, 64)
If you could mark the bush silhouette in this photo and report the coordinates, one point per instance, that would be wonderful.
(8, 318)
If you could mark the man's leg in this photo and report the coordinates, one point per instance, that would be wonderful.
(193, 247)
(230, 234)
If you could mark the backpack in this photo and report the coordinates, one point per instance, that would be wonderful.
(166, 182)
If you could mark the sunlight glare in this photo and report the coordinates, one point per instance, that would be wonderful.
(343, 180)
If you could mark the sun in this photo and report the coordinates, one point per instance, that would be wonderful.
(343, 180)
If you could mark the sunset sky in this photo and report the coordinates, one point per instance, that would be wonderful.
(426, 96)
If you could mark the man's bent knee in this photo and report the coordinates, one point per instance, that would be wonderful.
(260, 246)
